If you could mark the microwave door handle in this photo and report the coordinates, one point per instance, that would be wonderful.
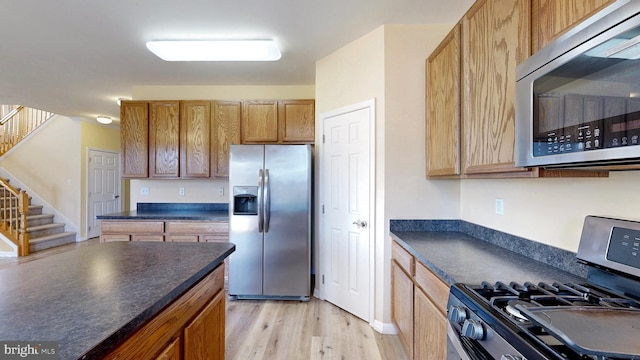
(260, 200)
(267, 201)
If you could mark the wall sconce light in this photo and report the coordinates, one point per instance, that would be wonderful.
(103, 119)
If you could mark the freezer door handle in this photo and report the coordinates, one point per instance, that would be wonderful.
(260, 201)
(267, 201)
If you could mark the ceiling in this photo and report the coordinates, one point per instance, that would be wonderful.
(76, 57)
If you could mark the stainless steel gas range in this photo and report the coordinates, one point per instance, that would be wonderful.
(598, 319)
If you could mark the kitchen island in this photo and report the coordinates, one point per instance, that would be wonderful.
(124, 298)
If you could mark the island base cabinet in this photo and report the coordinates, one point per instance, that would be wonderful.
(430, 327)
(192, 327)
(207, 328)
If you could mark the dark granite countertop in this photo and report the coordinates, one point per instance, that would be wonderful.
(467, 253)
(172, 211)
(89, 298)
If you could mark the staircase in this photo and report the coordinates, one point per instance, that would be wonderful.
(43, 232)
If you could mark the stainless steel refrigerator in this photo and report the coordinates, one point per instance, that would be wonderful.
(270, 221)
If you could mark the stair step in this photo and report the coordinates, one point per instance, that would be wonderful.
(35, 210)
(44, 230)
(36, 220)
(49, 241)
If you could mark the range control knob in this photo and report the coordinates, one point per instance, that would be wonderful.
(473, 329)
(511, 357)
(457, 314)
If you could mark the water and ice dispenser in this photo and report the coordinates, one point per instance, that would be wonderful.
(245, 200)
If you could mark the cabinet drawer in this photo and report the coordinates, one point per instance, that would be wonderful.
(182, 227)
(132, 227)
(182, 238)
(108, 238)
(403, 258)
(215, 238)
(148, 238)
(436, 289)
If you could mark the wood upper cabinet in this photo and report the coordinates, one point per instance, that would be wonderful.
(273, 121)
(134, 139)
(195, 136)
(164, 139)
(443, 75)
(259, 121)
(225, 130)
(297, 120)
(552, 18)
(495, 39)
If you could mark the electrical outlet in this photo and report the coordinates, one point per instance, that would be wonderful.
(499, 206)
(181, 191)
(221, 191)
(144, 191)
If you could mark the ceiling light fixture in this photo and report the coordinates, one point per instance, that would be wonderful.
(103, 119)
(215, 50)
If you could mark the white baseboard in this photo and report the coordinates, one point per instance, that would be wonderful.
(384, 328)
(6, 254)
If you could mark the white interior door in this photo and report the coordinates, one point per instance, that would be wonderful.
(103, 186)
(346, 235)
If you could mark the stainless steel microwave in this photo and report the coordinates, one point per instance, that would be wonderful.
(578, 98)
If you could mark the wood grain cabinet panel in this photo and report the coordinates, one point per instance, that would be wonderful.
(443, 107)
(131, 227)
(552, 18)
(431, 284)
(430, 327)
(203, 336)
(164, 139)
(297, 120)
(402, 306)
(134, 139)
(260, 121)
(195, 138)
(225, 130)
(495, 39)
(173, 351)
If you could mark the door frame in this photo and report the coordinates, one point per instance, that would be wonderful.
(87, 182)
(322, 190)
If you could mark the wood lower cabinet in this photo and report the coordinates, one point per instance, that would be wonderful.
(552, 18)
(430, 327)
(418, 306)
(190, 328)
(402, 306)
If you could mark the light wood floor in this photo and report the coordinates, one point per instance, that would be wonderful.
(285, 330)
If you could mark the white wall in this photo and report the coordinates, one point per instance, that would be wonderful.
(387, 65)
(550, 211)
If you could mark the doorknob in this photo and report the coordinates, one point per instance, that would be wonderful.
(116, 196)
(360, 224)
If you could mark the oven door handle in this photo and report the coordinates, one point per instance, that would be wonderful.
(454, 340)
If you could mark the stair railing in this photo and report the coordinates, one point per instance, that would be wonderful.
(14, 206)
(18, 123)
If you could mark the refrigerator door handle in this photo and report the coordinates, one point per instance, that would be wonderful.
(260, 201)
(267, 201)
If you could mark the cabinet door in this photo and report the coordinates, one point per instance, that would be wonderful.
(495, 35)
(225, 130)
(204, 336)
(552, 18)
(195, 135)
(430, 328)
(172, 351)
(402, 306)
(134, 139)
(297, 121)
(443, 107)
(259, 121)
(164, 139)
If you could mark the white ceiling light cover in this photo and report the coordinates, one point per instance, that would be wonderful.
(215, 50)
